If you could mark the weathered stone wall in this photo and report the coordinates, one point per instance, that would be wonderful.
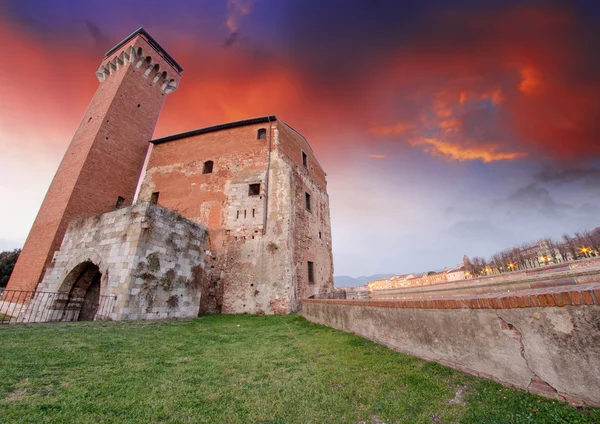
(151, 259)
(249, 269)
(545, 341)
(260, 243)
(311, 229)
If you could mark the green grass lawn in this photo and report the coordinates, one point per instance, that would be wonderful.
(241, 369)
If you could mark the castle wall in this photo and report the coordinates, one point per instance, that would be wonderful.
(106, 154)
(544, 341)
(151, 259)
(311, 229)
(250, 261)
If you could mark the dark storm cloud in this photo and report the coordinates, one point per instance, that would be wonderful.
(101, 39)
(590, 176)
(535, 200)
(231, 39)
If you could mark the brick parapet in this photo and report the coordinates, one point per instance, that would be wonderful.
(585, 294)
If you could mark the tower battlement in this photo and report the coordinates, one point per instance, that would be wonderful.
(142, 52)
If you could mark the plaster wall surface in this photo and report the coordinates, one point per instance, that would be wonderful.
(553, 351)
(105, 156)
(151, 259)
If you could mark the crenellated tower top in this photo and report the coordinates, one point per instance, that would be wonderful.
(142, 51)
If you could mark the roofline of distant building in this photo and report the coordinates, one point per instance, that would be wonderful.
(152, 42)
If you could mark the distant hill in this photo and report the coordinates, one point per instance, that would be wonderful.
(345, 281)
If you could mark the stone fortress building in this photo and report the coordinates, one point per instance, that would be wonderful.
(232, 218)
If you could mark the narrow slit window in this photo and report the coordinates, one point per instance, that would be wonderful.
(253, 212)
(307, 200)
(253, 189)
(261, 134)
(208, 167)
(244, 213)
(119, 203)
(305, 160)
(154, 198)
(237, 216)
(311, 272)
(320, 234)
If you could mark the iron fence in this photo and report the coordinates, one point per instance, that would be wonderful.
(20, 306)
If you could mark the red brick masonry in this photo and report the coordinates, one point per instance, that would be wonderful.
(584, 294)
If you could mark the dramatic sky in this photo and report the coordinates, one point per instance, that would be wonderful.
(445, 127)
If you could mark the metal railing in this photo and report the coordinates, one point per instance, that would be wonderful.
(20, 306)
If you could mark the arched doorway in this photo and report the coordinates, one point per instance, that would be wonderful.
(83, 286)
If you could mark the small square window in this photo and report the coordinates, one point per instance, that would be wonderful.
(253, 189)
(119, 203)
(304, 160)
(307, 199)
(208, 167)
(154, 198)
(311, 272)
(261, 134)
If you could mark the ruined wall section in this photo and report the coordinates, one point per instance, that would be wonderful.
(310, 229)
(152, 261)
(248, 269)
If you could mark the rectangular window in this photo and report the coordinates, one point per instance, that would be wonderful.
(154, 198)
(119, 203)
(320, 234)
(311, 272)
(304, 160)
(307, 199)
(254, 190)
(208, 167)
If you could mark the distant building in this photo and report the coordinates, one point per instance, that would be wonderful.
(426, 279)
(393, 282)
(455, 274)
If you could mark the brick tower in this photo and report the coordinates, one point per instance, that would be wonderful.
(102, 165)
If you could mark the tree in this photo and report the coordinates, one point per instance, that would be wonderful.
(570, 243)
(7, 263)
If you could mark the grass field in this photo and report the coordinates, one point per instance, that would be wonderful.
(241, 369)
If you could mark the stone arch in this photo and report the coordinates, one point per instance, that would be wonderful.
(162, 76)
(171, 86)
(82, 287)
(141, 59)
(121, 60)
(148, 66)
(102, 73)
(156, 73)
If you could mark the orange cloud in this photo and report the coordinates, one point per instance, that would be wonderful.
(237, 9)
(396, 129)
(377, 156)
(454, 152)
(531, 82)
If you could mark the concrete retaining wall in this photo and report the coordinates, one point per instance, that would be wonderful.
(545, 341)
